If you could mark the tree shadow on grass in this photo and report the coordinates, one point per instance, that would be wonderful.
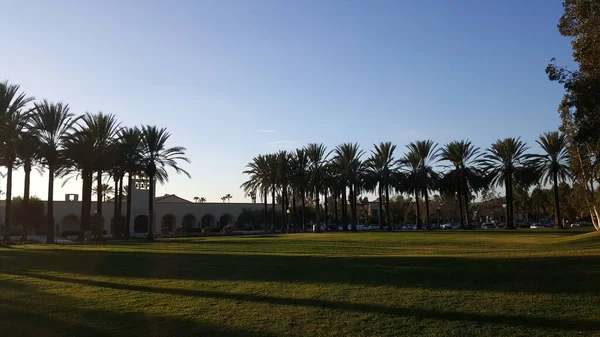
(552, 275)
(509, 320)
(45, 314)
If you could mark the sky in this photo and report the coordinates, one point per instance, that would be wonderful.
(234, 79)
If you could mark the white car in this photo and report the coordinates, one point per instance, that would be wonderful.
(536, 225)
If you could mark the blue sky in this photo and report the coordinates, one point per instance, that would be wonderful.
(232, 79)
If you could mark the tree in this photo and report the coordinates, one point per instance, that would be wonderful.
(27, 157)
(466, 175)
(382, 165)
(259, 175)
(506, 163)
(317, 157)
(53, 123)
(196, 199)
(202, 199)
(105, 191)
(408, 180)
(14, 120)
(300, 178)
(156, 159)
(130, 148)
(348, 160)
(580, 107)
(553, 165)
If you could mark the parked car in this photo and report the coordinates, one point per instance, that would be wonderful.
(488, 225)
(537, 225)
(446, 226)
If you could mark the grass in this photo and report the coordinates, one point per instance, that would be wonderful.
(454, 283)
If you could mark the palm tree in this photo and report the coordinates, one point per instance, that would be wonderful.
(130, 148)
(196, 199)
(427, 153)
(258, 171)
(53, 123)
(156, 158)
(381, 166)
(506, 163)
(223, 198)
(408, 180)
(317, 157)
(13, 120)
(27, 156)
(300, 178)
(105, 191)
(347, 157)
(202, 199)
(553, 165)
(466, 176)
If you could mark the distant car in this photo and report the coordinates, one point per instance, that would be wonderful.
(409, 227)
(536, 225)
(500, 225)
(446, 226)
(575, 224)
(488, 225)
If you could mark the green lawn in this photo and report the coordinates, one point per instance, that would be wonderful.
(453, 283)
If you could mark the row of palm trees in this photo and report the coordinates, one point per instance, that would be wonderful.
(458, 168)
(89, 147)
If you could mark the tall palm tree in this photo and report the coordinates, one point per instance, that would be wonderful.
(348, 158)
(408, 180)
(53, 123)
(553, 165)
(105, 191)
(317, 157)
(300, 176)
(13, 120)
(381, 166)
(427, 177)
(258, 171)
(157, 157)
(283, 180)
(130, 148)
(104, 129)
(202, 199)
(506, 163)
(466, 175)
(28, 156)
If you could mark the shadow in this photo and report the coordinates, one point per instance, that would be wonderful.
(552, 275)
(43, 314)
(511, 320)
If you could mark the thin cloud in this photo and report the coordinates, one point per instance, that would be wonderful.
(283, 143)
(266, 131)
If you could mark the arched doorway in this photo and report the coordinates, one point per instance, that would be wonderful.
(208, 220)
(140, 224)
(225, 220)
(168, 223)
(189, 222)
(70, 225)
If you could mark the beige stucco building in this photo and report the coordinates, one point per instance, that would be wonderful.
(171, 212)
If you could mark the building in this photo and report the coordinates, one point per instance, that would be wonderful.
(171, 212)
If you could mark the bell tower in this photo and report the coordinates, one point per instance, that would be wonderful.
(139, 197)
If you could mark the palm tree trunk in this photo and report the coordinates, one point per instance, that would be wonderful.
(99, 226)
(317, 212)
(294, 218)
(116, 231)
(467, 213)
(120, 206)
(344, 210)
(50, 206)
(26, 222)
(460, 208)
(387, 207)
(380, 211)
(427, 209)
(8, 205)
(273, 208)
(151, 208)
(128, 206)
(326, 210)
(266, 204)
(283, 209)
(84, 202)
(303, 211)
(507, 197)
(557, 222)
(335, 209)
(418, 208)
(352, 207)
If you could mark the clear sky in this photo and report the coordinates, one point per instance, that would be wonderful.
(232, 79)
